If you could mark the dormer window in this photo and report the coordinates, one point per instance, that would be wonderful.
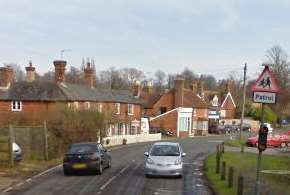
(16, 106)
(215, 101)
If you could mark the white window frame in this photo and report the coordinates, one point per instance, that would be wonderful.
(100, 107)
(16, 106)
(184, 123)
(130, 111)
(117, 108)
(76, 105)
(87, 105)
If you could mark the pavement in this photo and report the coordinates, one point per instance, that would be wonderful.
(126, 176)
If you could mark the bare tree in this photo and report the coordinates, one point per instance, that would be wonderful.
(160, 78)
(132, 74)
(189, 77)
(281, 69)
(19, 74)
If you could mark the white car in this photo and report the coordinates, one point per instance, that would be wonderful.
(164, 159)
(270, 129)
(17, 152)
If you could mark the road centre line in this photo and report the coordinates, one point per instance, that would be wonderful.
(124, 169)
(108, 182)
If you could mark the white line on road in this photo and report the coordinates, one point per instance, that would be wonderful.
(124, 169)
(107, 183)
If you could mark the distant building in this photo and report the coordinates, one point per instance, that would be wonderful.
(31, 99)
(178, 110)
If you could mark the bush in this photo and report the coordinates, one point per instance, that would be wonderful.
(269, 115)
(124, 141)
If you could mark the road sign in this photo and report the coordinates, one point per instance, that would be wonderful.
(266, 82)
(264, 97)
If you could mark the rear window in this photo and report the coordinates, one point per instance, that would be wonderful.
(165, 150)
(82, 148)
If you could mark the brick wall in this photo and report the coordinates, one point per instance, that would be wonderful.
(167, 100)
(167, 121)
(230, 109)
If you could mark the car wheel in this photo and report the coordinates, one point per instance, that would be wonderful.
(100, 169)
(66, 172)
(109, 163)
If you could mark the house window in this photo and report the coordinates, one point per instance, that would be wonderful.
(130, 109)
(76, 105)
(184, 123)
(16, 106)
(120, 128)
(100, 107)
(87, 105)
(117, 108)
(223, 113)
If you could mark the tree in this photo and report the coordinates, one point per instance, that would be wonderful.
(19, 75)
(210, 82)
(278, 58)
(189, 77)
(131, 75)
(75, 75)
(160, 77)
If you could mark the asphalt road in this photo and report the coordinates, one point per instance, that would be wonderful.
(126, 176)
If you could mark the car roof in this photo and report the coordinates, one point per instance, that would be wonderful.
(166, 143)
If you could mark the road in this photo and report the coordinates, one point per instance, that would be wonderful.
(126, 176)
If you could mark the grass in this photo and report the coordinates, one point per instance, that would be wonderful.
(245, 164)
(235, 143)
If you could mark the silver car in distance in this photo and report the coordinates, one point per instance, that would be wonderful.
(164, 159)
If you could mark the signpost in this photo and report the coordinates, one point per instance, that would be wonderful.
(264, 90)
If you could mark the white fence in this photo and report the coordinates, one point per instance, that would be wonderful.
(129, 139)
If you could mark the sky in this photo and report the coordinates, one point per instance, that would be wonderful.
(208, 36)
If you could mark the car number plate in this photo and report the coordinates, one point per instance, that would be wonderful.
(79, 166)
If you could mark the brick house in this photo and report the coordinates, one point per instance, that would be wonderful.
(178, 110)
(32, 99)
(221, 105)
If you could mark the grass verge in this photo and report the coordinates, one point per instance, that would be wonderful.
(235, 143)
(245, 164)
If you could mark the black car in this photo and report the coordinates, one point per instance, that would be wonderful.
(87, 156)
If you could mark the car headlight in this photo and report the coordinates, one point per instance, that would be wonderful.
(150, 161)
(178, 161)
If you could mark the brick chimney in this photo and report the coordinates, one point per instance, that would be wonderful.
(30, 72)
(6, 76)
(148, 88)
(59, 74)
(89, 75)
(178, 92)
(199, 87)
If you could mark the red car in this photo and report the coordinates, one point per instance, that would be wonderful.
(282, 140)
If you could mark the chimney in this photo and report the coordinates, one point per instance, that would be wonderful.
(30, 72)
(193, 87)
(137, 89)
(6, 76)
(89, 75)
(178, 92)
(59, 74)
(148, 88)
(199, 87)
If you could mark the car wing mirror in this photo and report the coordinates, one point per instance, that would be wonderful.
(146, 154)
(183, 154)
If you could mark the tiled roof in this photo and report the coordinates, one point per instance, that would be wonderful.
(51, 91)
(192, 100)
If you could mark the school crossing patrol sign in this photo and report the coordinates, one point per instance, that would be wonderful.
(265, 88)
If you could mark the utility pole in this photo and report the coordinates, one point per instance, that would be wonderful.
(244, 100)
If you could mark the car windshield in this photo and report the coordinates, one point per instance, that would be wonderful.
(165, 150)
(81, 148)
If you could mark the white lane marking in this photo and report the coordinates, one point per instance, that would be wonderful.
(124, 169)
(8, 189)
(108, 182)
(30, 179)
